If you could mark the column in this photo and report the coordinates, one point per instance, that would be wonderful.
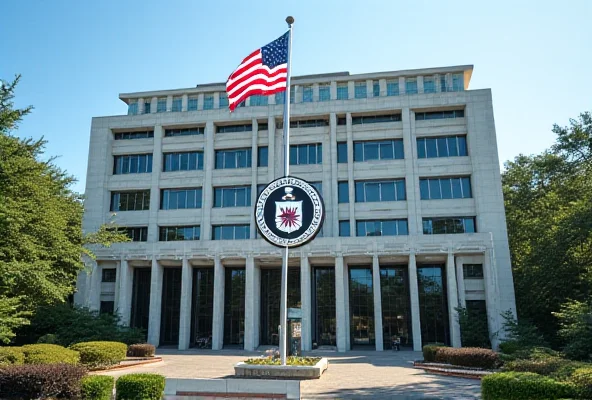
(333, 90)
(414, 295)
(169, 103)
(334, 231)
(209, 163)
(493, 315)
(218, 319)
(252, 293)
(437, 83)
(402, 85)
(377, 303)
(340, 289)
(306, 302)
(153, 105)
(155, 184)
(125, 292)
(216, 100)
(369, 88)
(452, 300)
(185, 308)
(117, 282)
(200, 101)
(460, 278)
(411, 172)
(141, 105)
(184, 102)
(155, 303)
(350, 174)
(254, 164)
(351, 89)
(271, 148)
(420, 84)
(95, 287)
(315, 92)
(449, 82)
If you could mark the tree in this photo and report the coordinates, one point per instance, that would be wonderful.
(40, 224)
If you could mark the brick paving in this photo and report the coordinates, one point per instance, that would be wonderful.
(352, 375)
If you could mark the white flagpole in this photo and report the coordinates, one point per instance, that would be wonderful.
(284, 292)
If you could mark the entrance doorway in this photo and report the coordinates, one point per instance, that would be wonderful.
(361, 306)
(271, 280)
(323, 297)
(202, 307)
(171, 306)
(141, 298)
(234, 307)
(396, 307)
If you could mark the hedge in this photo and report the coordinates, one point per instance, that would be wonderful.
(49, 354)
(582, 378)
(429, 351)
(510, 346)
(141, 350)
(97, 387)
(468, 357)
(140, 387)
(11, 355)
(541, 367)
(100, 354)
(41, 381)
(523, 386)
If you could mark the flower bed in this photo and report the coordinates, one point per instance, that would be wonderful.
(302, 361)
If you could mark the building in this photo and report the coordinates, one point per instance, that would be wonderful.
(407, 164)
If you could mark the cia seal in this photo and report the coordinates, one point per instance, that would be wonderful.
(289, 212)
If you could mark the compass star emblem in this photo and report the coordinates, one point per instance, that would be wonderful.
(289, 217)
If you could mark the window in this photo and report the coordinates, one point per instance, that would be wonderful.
(177, 199)
(208, 101)
(445, 146)
(344, 230)
(304, 123)
(324, 92)
(232, 196)
(132, 164)
(318, 186)
(108, 275)
(260, 188)
(192, 104)
(445, 188)
(341, 121)
(107, 307)
(446, 225)
(228, 159)
(382, 227)
(439, 115)
(360, 90)
(443, 85)
(198, 130)
(280, 98)
(392, 87)
(133, 135)
(132, 108)
(375, 119)
(306, 154)
(342, 91)
(161, 105)
(187, 161)
(429, 85)
(147, 104)
(223, 100)
(262, 126)
(292, 95)
(378, 150)
(458, 83)
(234, 128)
(262, 156)
(177, 104)
(343, 192)
(172, 233)
(230, 232)
(473, 271)
(411, 86)
(137, 234)
(130, 201)
(342, 152)
(371, 191)
(307, 94)
(375, 88)
(258, 100)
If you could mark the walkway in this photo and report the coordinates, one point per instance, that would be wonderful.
(352, 375)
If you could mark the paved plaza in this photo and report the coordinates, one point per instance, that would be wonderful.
(352, 375)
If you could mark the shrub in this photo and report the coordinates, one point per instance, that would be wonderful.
(140, 387)
(429, 352)
(522, 332)
(474, 331)
(50, 338)
(566, 370)
(141, 350)
(541, 367)
(468, 357)
(100, 354)
(41, 381)
(510, 346)
(11, 355)
(49, 354)
(97, 387)
(575, 321)
(523, 386)
(582, 378)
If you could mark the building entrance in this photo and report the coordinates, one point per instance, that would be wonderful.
(271, 280)
(171, 306)
(141, 298)
(361, 306)
(323, 297)
(234, 307)
(202, 307)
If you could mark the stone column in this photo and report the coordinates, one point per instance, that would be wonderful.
(271, 148)
(420, 84)
(411, 173)
(185, 308)
(340, 288)
(218, 310)
(216, 100)
(125, 288)
(461, 284)
(200, 101)
(333, 90)
(334, 178)
(252, 294)
(377, 303)
(452, 300)
(493, 313)
(254, 164)
(369, 88)
(402, 86)
(184, 102)
(169, 103)
(153, 105)
(414, 295)
(155, 303)
(306, 302)
(155, 184)
(437, 83)
(141, 105)
(209, 164)
(95, 287)
(315, 92)
(350, 175)
(351, 90)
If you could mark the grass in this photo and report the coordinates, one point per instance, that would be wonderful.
(300, 361)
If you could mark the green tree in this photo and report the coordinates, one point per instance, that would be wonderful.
(575, 319)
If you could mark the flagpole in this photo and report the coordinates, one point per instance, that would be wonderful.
(284, 291)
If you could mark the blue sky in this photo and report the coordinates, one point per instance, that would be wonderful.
(77, 56)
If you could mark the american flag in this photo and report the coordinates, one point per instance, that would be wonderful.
(262, 72)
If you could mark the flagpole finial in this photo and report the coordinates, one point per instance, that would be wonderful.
(290, 20)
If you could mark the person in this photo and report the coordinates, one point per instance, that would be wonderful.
(396, 343)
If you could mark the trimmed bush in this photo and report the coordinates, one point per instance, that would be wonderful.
(140, 387)
(468, 357)
(510, 347)
(11, 355)
(141, 350)
(41, 381)
(97, 387)
(541, 367)
(523, 386)
(429, 351)
(100, 354)
(582, 378)
(49, 354)
(566, 370)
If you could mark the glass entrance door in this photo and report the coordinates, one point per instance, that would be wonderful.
(202, 307)
(234, 307)
(396, 308)
(171, 306)
(361, 305)
(324, 319)
(141, 298)
(271, 280)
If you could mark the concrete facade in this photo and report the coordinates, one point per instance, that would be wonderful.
(488, 246)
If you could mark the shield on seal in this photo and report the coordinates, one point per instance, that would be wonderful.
(288, 215)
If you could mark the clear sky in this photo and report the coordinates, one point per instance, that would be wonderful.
(77, 56)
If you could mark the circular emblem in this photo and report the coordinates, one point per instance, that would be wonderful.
(289, 212)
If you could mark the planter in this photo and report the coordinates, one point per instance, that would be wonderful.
(281, 371)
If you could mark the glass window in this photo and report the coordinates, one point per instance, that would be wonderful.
(176, 199)
(280, 98)
(132, 108)
(232, 196)
(107, 307)
(183, 161)
(342, 152)
(130, 201)
(147, 107)
(376, 119)
(360, 90)
(421, 148)
(448, 225)
(192, 104)
(161, 105)
(433, 304)
(258, 100)
(307, 94)
(133, 135)
(234, 128)
(343, 192)
(132, 164)
(208, 101)
(342, 93)
(443, 85)
(375, 89)
(371, 191)
(448, 146)
(240, 158)
(223, 100)
(344, 230)
(230, 232)
(458, 82)
(174, 233)
(108, 275)
(324, 93)
(199, 130)
(306, 154)
(428, 84)
(292, 95)
(262, 156)
(136, 234)
(384, 227)
(411, 86)
(420, 116)
(445, 188)
(473, 271)
(392, 87)
(378, 150)
(176, 104)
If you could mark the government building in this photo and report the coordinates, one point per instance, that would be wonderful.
(407, 165)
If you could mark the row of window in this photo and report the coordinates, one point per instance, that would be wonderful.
(360, 92)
